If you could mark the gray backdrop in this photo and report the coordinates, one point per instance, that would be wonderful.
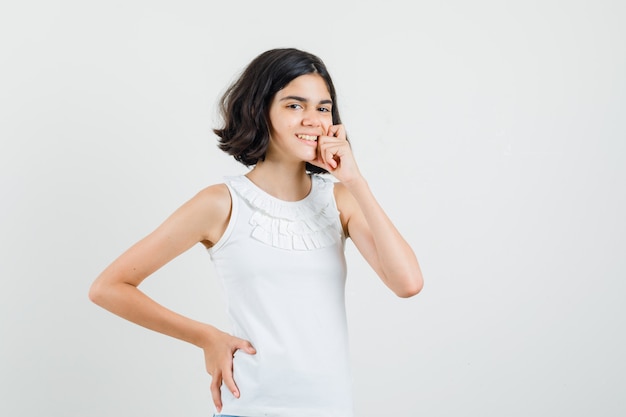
(492, 132)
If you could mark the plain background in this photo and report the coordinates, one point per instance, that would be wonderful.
(493, 133)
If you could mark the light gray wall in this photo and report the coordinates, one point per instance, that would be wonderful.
(492, 132)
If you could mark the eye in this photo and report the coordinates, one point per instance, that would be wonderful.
(324, 109)
(294, 106)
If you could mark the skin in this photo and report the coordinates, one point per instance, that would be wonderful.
(301, 108)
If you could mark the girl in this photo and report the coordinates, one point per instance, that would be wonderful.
(276, 237)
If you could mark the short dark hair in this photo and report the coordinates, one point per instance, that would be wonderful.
(244, 107)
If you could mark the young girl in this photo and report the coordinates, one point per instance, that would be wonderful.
(276, 237)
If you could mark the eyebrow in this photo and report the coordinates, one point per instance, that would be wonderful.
(305, 100)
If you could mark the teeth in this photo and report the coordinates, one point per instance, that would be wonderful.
(308, 137)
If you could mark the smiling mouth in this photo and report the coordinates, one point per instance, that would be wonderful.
(307, 137)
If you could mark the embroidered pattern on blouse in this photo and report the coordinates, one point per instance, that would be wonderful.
(311, 223)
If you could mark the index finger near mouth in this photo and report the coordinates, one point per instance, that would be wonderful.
(340, 132)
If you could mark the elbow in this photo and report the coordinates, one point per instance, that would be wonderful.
(96, 293)
(409, 291)
(412, 286)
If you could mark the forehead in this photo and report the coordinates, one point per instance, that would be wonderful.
(311, 86)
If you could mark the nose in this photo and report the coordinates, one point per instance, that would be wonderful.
(312, 118)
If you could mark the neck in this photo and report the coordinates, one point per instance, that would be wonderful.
(288, 182)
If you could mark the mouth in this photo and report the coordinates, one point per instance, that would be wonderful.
(309, 138)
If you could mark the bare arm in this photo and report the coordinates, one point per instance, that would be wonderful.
(377, 239)
(365, 221)
(201, 219)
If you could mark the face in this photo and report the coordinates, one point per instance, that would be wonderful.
(298, 114)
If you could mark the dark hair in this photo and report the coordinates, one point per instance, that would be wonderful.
(244, 106)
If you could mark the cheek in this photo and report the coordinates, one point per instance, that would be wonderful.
(280, 120)
(278, 126)
(326, 124)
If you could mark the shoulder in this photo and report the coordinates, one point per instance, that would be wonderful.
(346, 204)
(213, 197)
(210, 208)
(343, 196)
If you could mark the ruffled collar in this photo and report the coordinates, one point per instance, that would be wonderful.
(311, 223)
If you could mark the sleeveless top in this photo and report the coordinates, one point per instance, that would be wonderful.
(283, 272)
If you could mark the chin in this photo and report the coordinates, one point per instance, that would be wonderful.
(310, 158)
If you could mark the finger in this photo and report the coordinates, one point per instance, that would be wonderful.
(336, 131)
(330, 151)
(230, 381)
(216, 393)
(333, 130)
(324, 151)
(246, 347)
(320, 152)
(318, 162)
(330, 157)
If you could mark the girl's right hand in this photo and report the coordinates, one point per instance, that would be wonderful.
(218, 357)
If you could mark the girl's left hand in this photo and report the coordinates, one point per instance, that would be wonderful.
(334, 154)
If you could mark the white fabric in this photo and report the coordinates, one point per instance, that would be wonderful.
(283, 269)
